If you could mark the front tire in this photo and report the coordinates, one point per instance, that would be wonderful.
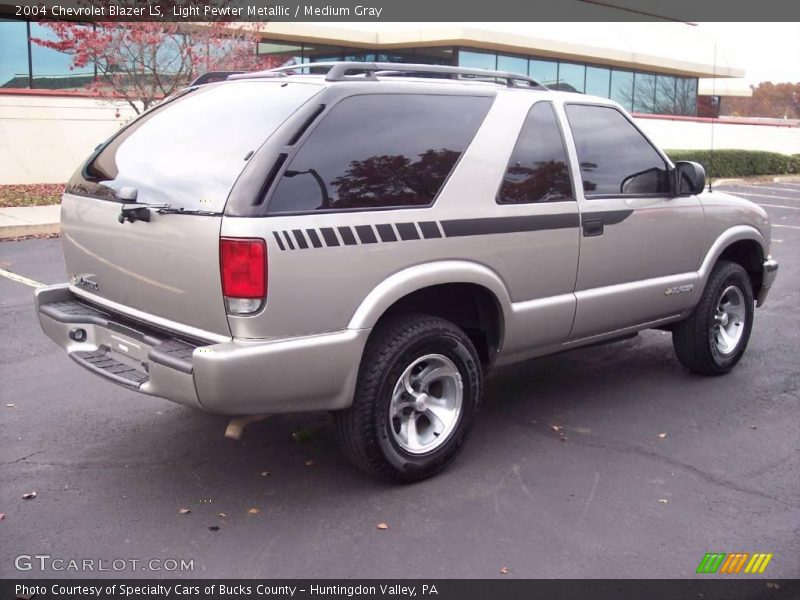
(418, 393)
(714, 336)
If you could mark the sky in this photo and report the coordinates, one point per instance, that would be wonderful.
(767, 51)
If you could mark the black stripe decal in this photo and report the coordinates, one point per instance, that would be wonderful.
(430, 229)
(347, 236)
(386, 232)
(468, 227)
(407, 231)
(451, 228)
(330, 236)
(300, 238)
(312, 235)
(608, 217)
(365, 234)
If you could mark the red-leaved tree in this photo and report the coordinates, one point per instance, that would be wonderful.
(143, 62)
(775, 100)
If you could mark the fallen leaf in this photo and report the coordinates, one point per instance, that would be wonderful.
(504, 570)
(184, 511)
(253, 511)
(562, 437)
(2, 516)
(265, 473)
(309, 463)
(663, 500)
(214, 528)
(222, 515)
(29, 496)
(555, 428)
(304, 435)
(382, 526)
(10, 405)
(753, 427)
(773, 586)
(662, 435)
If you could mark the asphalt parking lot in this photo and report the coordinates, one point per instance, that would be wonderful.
(616, 498)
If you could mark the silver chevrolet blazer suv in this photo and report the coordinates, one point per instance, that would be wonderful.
(370, 239)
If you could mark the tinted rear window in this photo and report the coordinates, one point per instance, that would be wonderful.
(380, 151)
(189, 151)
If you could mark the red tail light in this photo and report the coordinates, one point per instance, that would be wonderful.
(243, 266)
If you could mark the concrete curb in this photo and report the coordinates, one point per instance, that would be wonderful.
(25, 221)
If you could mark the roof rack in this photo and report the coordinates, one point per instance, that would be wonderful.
(342, 71)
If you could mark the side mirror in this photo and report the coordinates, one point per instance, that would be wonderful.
(690, 178)
(127, 194)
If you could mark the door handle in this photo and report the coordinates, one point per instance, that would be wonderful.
(592, 227)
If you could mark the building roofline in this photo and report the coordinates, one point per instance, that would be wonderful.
(614, 47)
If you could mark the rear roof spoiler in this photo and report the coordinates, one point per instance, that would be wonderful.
(213, 76)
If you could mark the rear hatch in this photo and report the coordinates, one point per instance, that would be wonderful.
(183, 156)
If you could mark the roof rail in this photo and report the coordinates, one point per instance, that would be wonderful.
(213, 76)
(341, 71)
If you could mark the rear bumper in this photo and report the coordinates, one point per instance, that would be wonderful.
(235, 377)
(769, 272)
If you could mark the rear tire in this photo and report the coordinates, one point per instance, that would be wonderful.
(418, 393)
(714, 336)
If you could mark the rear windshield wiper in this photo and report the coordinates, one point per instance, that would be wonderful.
(141, 212)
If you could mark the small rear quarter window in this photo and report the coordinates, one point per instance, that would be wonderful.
(537, 170)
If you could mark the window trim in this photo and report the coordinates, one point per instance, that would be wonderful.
(300, 143)
(667, 162)
(574, 197)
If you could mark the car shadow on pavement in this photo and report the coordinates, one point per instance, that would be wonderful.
(285, 454)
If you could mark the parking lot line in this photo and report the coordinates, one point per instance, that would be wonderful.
(746, 194)
(780, 206)
(764, 187)
(20, 279)
(786, 226)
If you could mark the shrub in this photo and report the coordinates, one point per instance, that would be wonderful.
(35, 194)
(740, 163)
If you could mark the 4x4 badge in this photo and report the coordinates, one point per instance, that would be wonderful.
(679, 289)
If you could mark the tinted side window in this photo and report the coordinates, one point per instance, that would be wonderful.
(375, 151)
(615, 158)
(537, 170)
